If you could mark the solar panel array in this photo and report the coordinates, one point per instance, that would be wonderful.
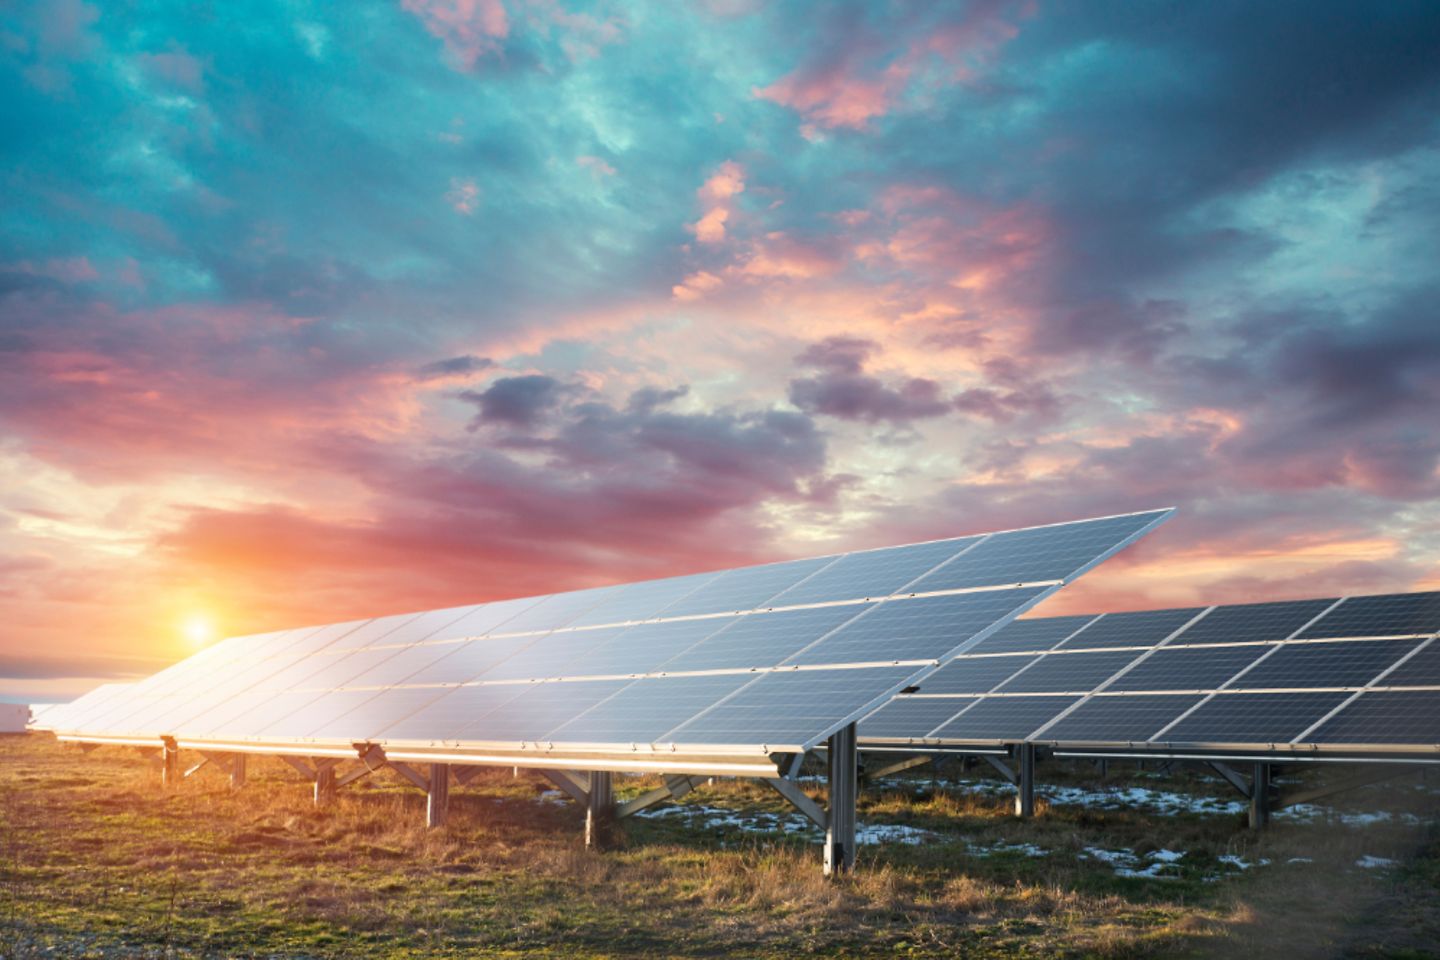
(1352, 672)
(767, 658)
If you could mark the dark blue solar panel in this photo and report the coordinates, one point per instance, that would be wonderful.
(873, 573)
(1121, 719)
(924, 628)
(564, 654)
(1037, 554)
(1252, 622)
(561, 609)
(1252, 718)
(1144, 628)
(1069, 672)
(647, 709)
(1396, 614)
(1192, 668)
(1382, 717)
(973, 674)
(1025, 635)
(451, 711)
(781, 709)
(1421, 670)
(1009, 719)
(1340, 664)
(748, 588)
(762, 639)
(540, 708)
(906, 718)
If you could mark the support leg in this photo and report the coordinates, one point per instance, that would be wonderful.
(170, 767)
(324, 783)
(437, 798)
(237, 771)
(1025, 781)
(1260, 797)
(844, 779)
(601, 825)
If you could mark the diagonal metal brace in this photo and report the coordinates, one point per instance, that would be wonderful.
(800, 801)
(896, 767)
(303, 768)
(673, 789)
(1233, 778)
(410, 773)
(576, 786)
(1363, 779)
(1003, 768)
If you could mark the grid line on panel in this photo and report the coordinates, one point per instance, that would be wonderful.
(925, 672)
(1119, 673)
(1374, 681)
(1076, 632)
(1251, 666)
(742, 689)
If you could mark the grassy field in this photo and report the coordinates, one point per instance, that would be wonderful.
(99, 862)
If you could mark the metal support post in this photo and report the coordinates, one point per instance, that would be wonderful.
(1025, 781)
(601, 828)
(437, 798)
(237, 771)
(1260, 796)
(170, 766)
(840, 820)
(324, 782)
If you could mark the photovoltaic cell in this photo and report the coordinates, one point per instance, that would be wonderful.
(486, 618)
(369, 717)
(1069, 672)
(872, 574)
(1379, 616)
(377, 631)
(1384, 717)
(1248, 622)
(556, 655)
(1421, 670)
(747, 588)
(561, 609)
(1037, 554)
(1009, 719)
(1132, 718)
(1145, 628)
(973, 674)
(777, 707)
(762, 639)
(643, 600)
(407, 664)
(1026, 635)
(469, 659)
(1252, 718)
(643, 648)
(907, 718)
(541, 707)
(1188, 668)
(926, 628)
(1339, 664)
(647, 709)
(442, 719)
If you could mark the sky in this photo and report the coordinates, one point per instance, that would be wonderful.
(310, 312)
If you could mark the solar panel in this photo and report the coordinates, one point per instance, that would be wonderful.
(1384, 717)
(1399, 614)
(1421, 670)
(1004, 719)
(1143, 629)
(1044, 633)
(1118, 719)
(753, 660)
(972, 674)
(1331, 664)
(906, 718)
(1250, 622)
(1069, 672)
(1251, 718)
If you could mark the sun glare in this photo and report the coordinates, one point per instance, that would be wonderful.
(198, 630)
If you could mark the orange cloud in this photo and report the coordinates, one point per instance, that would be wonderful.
(716, 198)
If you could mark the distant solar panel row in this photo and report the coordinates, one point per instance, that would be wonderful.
(1301, 674)
(766, 658)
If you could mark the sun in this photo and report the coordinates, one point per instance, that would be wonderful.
(198, 629)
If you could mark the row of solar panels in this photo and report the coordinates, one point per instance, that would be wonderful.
(1337, 672)
(756, 659)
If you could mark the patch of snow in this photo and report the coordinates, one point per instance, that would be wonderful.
(714, 818)
(1368, 862)
(551, 796)
(1126, 863)
(1309, 812)
(892, 833)
(1300, 860)
(1240, 863)
(1025, 849)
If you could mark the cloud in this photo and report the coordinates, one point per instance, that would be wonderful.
(463, 196)
(516, 401)
(470, 29)
(844, 391)
(717, 201)
(453, 368)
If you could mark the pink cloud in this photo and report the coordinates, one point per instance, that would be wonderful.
(463, 195)
(717, 200)
(696, 285)
(470, 29)
(596, 165)
(175, 67)
(64, 269)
